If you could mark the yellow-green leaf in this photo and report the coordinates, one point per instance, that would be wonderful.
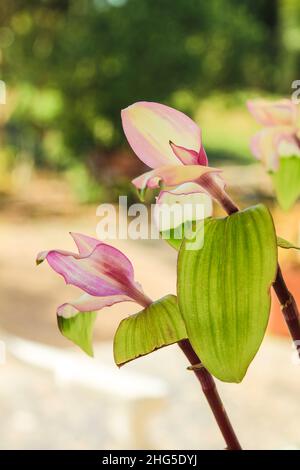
(175, 236)
(156, 326)
(286, 181)
(224, 290)
(286, 244)
(79, 329)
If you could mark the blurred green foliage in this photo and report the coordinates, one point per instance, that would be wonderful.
(71, 65)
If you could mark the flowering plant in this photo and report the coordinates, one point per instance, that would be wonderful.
(221, 311)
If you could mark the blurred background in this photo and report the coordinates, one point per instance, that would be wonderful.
(69, 67)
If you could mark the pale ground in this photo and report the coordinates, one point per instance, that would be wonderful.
(39, 412)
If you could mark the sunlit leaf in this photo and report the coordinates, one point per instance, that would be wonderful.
(156, 326)
(79, 329)
(286, 181)
(286, 244)
(224, 290)
(175, 236)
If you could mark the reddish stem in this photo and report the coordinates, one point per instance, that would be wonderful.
(208, 182)
(289, 308)
(210, 390)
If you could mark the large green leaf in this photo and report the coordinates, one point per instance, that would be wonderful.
(156, 326)
(175, 236)
(286, 181)
(79, 329)
(286, 244)
(223, 290)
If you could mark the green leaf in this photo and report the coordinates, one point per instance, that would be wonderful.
(175, 236)
(79, 329)
(286, 181)
(156, 326)
(224, 290)
(286, 244)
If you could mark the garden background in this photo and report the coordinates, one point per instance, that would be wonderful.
(69, 67)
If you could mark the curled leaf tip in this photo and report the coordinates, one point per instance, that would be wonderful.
(41, 257)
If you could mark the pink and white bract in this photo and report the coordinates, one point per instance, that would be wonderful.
(170, 143)
(281, 135)
(104, 273)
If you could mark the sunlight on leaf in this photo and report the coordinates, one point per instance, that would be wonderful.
(224, 290)
(175, 236)
(287, 181)
(79, 330)
(286, 244)
(156, 326)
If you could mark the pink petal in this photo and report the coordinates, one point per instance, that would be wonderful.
(186, 156)
(150, 126)
(42, 255)
(274, 113)
(189, 196)
(84, 243)
(202, 157)
(266, 144)
(263, 148)
(104, 272)
(182, 190)
(189, 157)
(89, 303)
(172, 175)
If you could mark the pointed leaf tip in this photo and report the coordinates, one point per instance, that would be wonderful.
(79, 330)
(282, 243)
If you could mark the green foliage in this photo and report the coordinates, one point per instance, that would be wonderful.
(85, 187)
(224, 290)
(222, 114)
(286, 244)
(79, 329)
(75, 63)
(175, 236)
(286, 181)
(156, 326)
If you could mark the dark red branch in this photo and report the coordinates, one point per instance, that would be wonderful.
(289, 308)
(208, 182)
(210, 390)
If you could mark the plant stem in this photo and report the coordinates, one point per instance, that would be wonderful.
(208, 182)
(289, 308)
(288, 304)
(210, 390)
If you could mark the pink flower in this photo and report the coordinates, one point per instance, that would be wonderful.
(100, 270)
(170, 143)
(280, 137)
